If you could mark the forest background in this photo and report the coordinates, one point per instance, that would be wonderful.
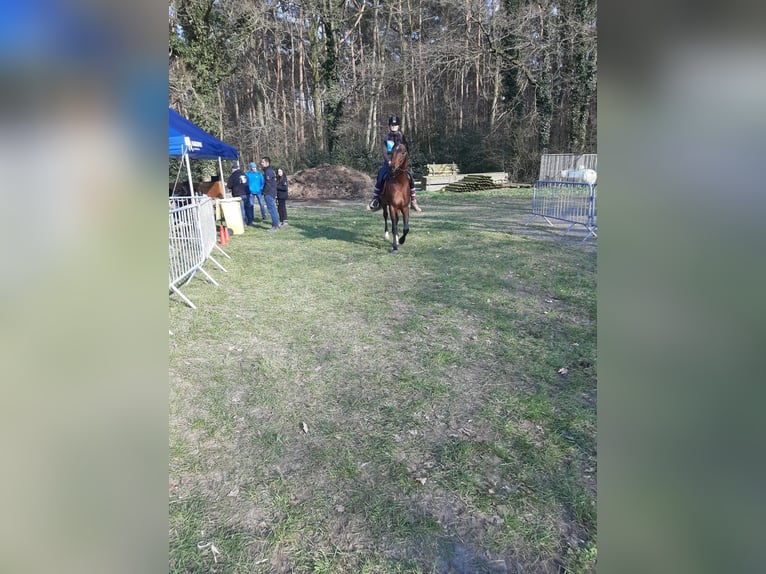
(487, 84)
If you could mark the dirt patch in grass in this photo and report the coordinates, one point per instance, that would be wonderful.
(329, 182)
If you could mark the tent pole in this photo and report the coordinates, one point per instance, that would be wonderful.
(220, 171)
(188, 171)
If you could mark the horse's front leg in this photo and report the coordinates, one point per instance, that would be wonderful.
(395, 231)
(405, 224)
(385, 222)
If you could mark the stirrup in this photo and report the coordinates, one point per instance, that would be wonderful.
(414, 205)
(374, 204)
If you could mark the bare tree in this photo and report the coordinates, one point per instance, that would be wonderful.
(488, 82)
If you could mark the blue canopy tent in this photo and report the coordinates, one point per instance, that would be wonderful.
(185, 137)
(187, 140)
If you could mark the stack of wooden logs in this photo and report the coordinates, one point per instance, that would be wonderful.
(471, 183)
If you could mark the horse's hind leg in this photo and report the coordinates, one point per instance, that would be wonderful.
(385, 222)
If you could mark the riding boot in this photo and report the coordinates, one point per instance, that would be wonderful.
(375, 203)
(414, 201)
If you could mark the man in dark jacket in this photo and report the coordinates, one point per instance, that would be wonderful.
(270, 191)
(237, 183)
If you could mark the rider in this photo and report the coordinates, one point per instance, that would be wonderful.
(392, 138)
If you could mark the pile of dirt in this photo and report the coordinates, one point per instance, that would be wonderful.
(329, 182)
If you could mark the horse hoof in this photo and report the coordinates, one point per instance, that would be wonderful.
(386, 236)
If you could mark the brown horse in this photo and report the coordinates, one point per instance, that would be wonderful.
(395, 196)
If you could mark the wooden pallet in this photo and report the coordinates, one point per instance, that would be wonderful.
(437, 182)
(441, 169)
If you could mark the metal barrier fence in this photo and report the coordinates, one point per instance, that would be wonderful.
(192, 238)
(573, 203)
(207, 226)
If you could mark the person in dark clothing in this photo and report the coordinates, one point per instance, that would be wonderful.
(282, 197)
(390, 141)
(270, 191)
(237, 183)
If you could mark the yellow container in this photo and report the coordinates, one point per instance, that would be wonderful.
(232, 214)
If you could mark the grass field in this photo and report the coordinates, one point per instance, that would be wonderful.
(336, 408)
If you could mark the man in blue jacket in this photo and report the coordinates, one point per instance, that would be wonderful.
(255, 181)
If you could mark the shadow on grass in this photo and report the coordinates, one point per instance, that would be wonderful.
(341, 230)
(328, 231)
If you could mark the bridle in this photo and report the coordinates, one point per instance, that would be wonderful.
(402, 166)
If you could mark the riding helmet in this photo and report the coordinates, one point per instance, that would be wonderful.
(394, 121)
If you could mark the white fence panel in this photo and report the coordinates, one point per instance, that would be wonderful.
(573, 203)
(551, 165)
(192, 238)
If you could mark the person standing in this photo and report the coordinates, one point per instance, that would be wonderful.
(270, 191)
(237, 183)
(255, 181)
(282, 196)
(390, 141)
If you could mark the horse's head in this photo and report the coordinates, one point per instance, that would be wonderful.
(399, 157)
